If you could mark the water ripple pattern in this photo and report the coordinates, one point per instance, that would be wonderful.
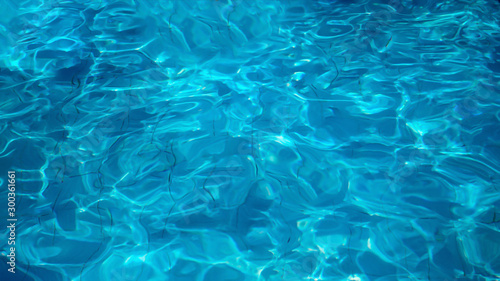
(231, 140)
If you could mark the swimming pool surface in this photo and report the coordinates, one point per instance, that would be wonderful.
(219, 140)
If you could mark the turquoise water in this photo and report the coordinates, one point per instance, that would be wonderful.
(251, 140)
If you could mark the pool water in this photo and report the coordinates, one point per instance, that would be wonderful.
(219, 140)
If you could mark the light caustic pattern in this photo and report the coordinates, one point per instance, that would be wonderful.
(252, 140)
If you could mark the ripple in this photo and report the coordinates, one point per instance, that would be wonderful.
(252, 140)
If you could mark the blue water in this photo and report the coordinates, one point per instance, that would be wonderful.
(219, 140)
